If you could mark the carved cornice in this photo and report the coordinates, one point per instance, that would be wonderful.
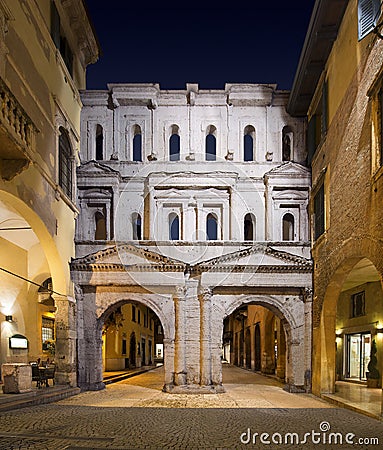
(160, 263)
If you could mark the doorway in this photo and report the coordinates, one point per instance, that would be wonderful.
(358, 349)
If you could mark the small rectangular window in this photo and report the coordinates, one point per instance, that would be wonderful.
(55, 25)
(318, 123)
(358, 304)
(47, 332)
(319, 212)
(133, 313)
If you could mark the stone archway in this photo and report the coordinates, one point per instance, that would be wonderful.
(40, 251)
(295, 315)
(353, 275)
(94, 305)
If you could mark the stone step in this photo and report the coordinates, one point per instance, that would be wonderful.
(36, 397)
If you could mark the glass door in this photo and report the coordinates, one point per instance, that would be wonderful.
(358, 355)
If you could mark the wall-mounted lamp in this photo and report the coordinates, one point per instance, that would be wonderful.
(9, 318)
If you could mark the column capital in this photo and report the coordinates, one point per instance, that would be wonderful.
(205, 293)
(180, 292)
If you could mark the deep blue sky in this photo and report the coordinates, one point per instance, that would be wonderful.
(210, 46)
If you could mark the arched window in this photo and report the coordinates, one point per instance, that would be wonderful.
(100, 222)
(174, 227)
(249, 227)
(211, 144)
(99, 143)
(137, 144)
(174, 144)
(287, 138)
(288, 227)
(248, 143)
(137, 227)
(65, 162)
(211, 227)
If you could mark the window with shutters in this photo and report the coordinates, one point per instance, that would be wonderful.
(376, 100)
(318, 122)
(368, 15)
(65, 163)
(59, 38)
(319, 212)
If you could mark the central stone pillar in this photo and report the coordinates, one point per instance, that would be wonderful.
(65, 351)
(205, 295)
(180, 354)
(191, 327)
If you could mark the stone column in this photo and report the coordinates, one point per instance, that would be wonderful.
(205, 295)
(65, 353)
(308, 299)
(168, 364)
(89, 346)
(179, 344)
(192, 332)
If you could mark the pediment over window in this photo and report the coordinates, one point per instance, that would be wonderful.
(287, 170)
(94, 168)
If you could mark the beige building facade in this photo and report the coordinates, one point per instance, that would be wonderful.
(45, 47)
(339, 86)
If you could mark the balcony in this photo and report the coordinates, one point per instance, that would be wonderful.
(17, 135)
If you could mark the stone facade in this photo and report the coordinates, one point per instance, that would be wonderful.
(193, 203)
(346, 160)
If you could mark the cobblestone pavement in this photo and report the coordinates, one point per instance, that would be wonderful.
(136, 414)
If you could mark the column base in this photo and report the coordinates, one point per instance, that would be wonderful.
(295, 389)
(193, 389)
(92, 386)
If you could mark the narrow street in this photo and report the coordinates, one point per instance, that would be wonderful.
(254, 412)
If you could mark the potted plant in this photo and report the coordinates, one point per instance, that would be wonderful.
(373, 375)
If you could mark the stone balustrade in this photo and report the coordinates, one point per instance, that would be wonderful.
(14, 118)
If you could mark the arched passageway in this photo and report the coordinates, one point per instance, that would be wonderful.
(36, 292)
(262, 340)
(132, 336)
(350, 333)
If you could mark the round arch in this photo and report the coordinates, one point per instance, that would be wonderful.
(292, 313)
(108, 307)
(60, 276)
(350, 272)
(90, 373)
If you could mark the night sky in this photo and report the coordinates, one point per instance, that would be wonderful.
(210, 46)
